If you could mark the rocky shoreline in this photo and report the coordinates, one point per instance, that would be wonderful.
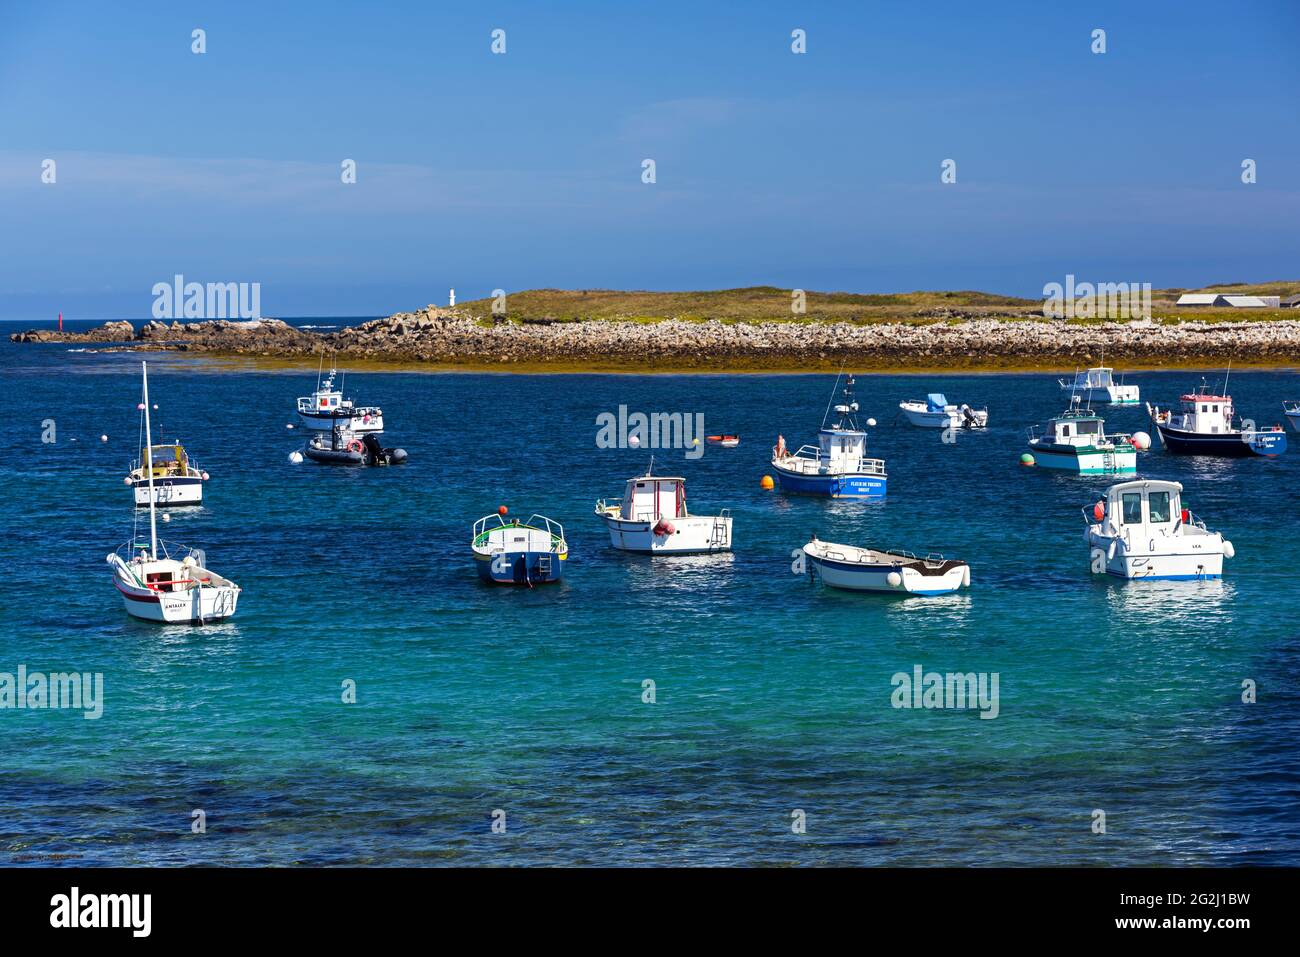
(448, 337)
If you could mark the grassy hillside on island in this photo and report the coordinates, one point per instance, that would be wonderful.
(771, 304)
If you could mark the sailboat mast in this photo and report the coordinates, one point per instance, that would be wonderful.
(148, 457)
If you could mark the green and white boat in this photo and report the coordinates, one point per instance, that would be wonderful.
(1076, 441)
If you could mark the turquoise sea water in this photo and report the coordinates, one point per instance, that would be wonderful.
(772, 695)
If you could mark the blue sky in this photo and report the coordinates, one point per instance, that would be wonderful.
(523, 170)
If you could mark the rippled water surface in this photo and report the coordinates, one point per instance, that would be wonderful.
(772, 695)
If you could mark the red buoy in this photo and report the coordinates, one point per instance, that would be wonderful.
(502, 510)
(1099, 511)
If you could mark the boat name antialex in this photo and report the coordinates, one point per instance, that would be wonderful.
(932, 689)
(658, 430)
(80, 691)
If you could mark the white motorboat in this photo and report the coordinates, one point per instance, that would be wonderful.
(868, 569)
(1141, 529)
(176, 479)
(1076, 441)
(326, 408)
(156, 586)
(1292, 410)
(652, 519)
(1098, 385)
(936, 412)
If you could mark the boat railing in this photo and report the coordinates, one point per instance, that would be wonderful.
(540, 523)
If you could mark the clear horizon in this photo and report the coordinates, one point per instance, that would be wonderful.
(523, 170)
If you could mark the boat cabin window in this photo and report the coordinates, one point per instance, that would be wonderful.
(1132, 508)
(1216, 408)
(1088, 428)
(1158, 506)
(1065, 431)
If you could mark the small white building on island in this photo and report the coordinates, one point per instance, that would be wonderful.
(1231, 301)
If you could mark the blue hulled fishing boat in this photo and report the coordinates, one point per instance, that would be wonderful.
(1207, 424)
(837, 466)
(531, 552)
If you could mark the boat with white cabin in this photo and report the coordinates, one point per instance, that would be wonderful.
(936, 412)
(176, 479)
(154, 585)
(652, 519)
(1142, 529)
(1292, 410)
(531, 552)
(838, 465)
(1098, 385)
(1076, 441)
(868, 569)
(326, 408)
(1206, 423)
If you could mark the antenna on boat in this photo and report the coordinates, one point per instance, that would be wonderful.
(148, 453)
(835, 388)
(1225, 377)
(320, 368)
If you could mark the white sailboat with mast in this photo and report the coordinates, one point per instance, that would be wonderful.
(154, 585)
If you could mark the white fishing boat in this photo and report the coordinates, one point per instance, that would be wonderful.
(1292, 410)
(326, 408)
(652, 519)
(1076, 441)
(1141, 529)
(176, 480)
(1099, 385)
(868, 569)
(936, 412)
(156, 586)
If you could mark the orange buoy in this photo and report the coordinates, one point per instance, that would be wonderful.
(767, 483)
(1099, 511)
(502, 510)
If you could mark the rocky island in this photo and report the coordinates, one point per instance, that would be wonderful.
(750, 329)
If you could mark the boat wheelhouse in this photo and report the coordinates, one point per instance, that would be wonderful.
(326, 408)
(1098, 385)
(1142, 529)
(176, 480)
(511, 552)
(936, 412)
(1076, 441)
(1292, 410)
(867, 569)
(153, 584)
(1206, 424)
(837, 466)
(652, 518)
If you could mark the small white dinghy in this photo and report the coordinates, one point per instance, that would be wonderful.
(1141, 530)
(936, 412)
(154, 585)
(867, 569)
(652, 519)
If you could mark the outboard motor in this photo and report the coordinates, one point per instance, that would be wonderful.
(374, 451)
(378, 455)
